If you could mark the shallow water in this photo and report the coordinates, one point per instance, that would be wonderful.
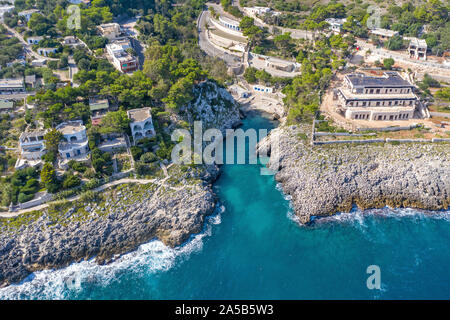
(253, 248)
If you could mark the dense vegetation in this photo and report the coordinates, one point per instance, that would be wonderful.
(10, 48)
(174, 64)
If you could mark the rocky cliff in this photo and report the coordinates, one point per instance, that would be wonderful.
(214, 106)
(118, 221)
(106, 224)
(323, 180)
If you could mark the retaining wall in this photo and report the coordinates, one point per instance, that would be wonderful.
(387, 140)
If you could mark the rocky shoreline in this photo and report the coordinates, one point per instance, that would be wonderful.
(324, 180)
(117, 221)
(112, 224)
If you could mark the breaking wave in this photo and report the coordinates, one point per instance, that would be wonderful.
(148, 258)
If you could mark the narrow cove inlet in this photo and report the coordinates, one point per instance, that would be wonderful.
(252, 247)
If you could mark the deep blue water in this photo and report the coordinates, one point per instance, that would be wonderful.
(253, 249)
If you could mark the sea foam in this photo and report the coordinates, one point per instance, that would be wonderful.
(148, 258)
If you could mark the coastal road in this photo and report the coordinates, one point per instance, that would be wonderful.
(209, 48)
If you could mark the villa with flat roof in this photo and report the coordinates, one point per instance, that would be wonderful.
(274, 66)
(98, 108)
(110, 30)
(384, 33)
(120, 57)
(336, 24)
(32, 148)
(34, 40)
(12, 86)
(141, 123)
(74, 144)
(46, 51)
(255, 11)
(387, 97)
(417, 49)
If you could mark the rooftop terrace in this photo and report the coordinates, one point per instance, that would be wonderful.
(138, 115)
(389, 79)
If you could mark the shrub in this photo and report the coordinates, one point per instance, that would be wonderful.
(71, 181)
(148, 157)
(24, 197)
(136, 152)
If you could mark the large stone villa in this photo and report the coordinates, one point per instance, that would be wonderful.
(367, 97)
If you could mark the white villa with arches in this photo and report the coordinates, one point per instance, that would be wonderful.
(74, 144)
(141, 123)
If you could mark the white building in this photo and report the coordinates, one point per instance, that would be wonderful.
(120, 57)
(28, 13)
(275, 66)
(9, 86)
(389, 97)
(110, 30)
(141, 123)
(384, 33)
(38, 62)
(34, 40)
(417, 49)
(70, 40)
(74, 144)
(335, 24)
(259, 88)
(227, 25)
(46, 51)
(254, 11)
(32, 148)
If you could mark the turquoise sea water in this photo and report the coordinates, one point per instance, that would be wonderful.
(253, 249)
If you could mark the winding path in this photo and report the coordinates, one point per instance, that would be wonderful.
(28, 49)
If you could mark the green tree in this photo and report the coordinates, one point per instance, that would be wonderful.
(388, 63)
(52, 139)
(48, 177)
(113, 122)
